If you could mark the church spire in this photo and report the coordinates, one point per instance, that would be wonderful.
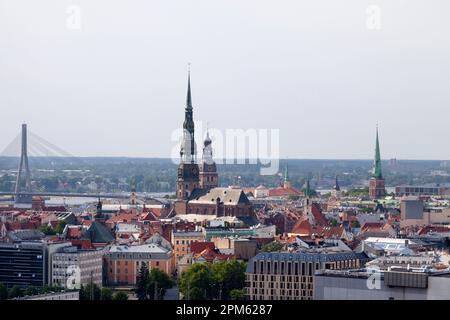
(188, 96)
(377, 174)
(308, 189)
(188, 149)
(336, 185)
(286, 183)
(286, 175)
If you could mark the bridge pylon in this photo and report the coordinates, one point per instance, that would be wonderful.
(23, 196)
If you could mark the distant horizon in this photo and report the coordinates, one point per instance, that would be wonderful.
(281, 159)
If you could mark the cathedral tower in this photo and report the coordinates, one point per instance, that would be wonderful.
(208, 169)
(188, 171)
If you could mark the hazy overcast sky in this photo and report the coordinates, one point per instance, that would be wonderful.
(313, 69)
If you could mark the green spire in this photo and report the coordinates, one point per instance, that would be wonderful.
(307, 189)
(377, 174)
(286, 175)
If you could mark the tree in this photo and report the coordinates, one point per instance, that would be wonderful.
(51, 288)
(120, 296)
(60, 227)
(237, 294)
(31, 291)
(158, 281)
(3, 292)
(212, 280)
(90, 292)
(142, 283)
(271, 247)
(47, 230)
(15, 292)
(106, 294)
(195, 283)
(233, 278)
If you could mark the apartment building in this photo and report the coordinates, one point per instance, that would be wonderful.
(123, 262)
(181, 242)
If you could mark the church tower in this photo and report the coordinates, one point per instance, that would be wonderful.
(286, 182)
(188, 171)
(208, 169)
(336, 189)
(376, 183)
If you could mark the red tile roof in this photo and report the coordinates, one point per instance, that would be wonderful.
(210, 255)
(199, 246)
(302, 227)
(123, 217)
(74, 232)
(283, 192)
(318, 216)
(427, 229)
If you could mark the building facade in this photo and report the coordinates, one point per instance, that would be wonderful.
(72, 268)
(26, 264)
(23, 264)
(423, 190)
(181, 242)
(123, 262)
(289, 275)
(393, 285)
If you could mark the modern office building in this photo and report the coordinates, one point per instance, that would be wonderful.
(290, 275)
(23, 264)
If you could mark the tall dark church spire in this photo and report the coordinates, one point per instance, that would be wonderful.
(188, 150)
(188, 170)
(188, 97)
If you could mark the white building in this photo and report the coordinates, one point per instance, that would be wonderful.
(412, 284)
(72, 268)
(261, 192)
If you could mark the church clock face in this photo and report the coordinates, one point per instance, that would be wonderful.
(194, 171)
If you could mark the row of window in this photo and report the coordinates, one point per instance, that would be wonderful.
(262, 278)
(296, 297)
(297, 268)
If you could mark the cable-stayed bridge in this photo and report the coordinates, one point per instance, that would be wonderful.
(26, 142)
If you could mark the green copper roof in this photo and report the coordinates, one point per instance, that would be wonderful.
(307, 189)
(286, 175)
(377, 174)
